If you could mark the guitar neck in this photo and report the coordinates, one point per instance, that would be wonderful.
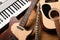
(57, 24)
(38, 26)
(29, 10)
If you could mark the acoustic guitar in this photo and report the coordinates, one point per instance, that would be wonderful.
(49, 6)
(18, 27)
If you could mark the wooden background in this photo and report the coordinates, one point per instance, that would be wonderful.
(31, 22)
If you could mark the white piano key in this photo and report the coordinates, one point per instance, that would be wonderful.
(17, 12)
(19, 4)
(22, 9)
(27, 1)
(13, 8)
(1, 26)
(16, 6)
(1, 20)
(8, 12)
(23, 1)
(4, 22)
(3, 15)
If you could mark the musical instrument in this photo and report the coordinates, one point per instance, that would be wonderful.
(38, 26)
(57, 24)
(12, 8)
(46, 6)
(19, 31)
(18, 28)
(55, 16)
(30, 23)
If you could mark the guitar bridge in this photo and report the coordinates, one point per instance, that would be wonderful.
(20, 28)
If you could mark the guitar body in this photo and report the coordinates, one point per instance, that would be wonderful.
(46, 6)
(20, 34)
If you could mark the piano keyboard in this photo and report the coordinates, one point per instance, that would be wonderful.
(15, 8)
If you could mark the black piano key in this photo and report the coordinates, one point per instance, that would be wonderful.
(1, 20)
(12, 9)
(26, 0)
(21, 3)
(18, 4)
(7, 13)
(2, 16)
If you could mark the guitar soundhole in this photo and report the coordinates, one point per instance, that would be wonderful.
(54, 14)
(46, 8)
(48, 1)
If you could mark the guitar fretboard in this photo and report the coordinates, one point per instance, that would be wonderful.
(38, 26)
(28, 12)
(12, 8)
